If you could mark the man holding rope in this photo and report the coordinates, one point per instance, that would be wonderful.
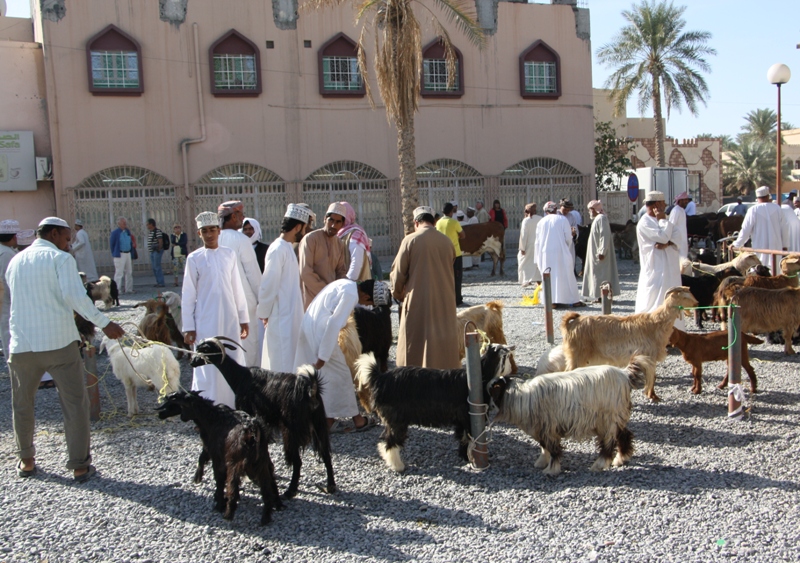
(45, 290)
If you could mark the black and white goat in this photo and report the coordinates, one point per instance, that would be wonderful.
(286, 401)
(375, 332)
(436, 398)
(235, 443)
(588, 402)
(105, 290)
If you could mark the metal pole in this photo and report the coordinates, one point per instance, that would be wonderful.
(778, 177)
(548, 307)
(477, 407)
(735, 392)
(606, 297)
(90, 364)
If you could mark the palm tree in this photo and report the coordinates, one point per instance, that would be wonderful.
(762, 125)
(653, 54)
(751, 164)
(398, 66)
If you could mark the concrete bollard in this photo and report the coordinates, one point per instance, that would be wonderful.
(548, 307)
(735, 392)
(92, 388)
(477, 408)
(606, 297)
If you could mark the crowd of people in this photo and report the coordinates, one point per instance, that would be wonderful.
(285, 302)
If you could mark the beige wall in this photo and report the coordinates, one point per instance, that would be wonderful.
(290, 128)
(636, 127)
(22, 95)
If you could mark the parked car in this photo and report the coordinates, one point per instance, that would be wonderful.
(728, 207)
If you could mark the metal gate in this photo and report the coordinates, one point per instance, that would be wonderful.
(443, 180)
(538, 180)
(135, 193)
(617, 206)
(363, 187)
(262, 192)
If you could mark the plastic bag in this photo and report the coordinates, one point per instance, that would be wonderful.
(536, 294)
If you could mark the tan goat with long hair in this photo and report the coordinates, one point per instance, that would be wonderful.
(770, 310)
(489, 319)
(742, 262)
(613, 340)
(350, 345)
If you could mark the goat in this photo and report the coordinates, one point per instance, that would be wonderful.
(86, 329)
(742, 262)
(704, 288)
(424, 397)
(173, 301)
(768, 310)
(235, 443)
(489, 319)
(610, 339)
(288, 401)
(154, 328)
(551, 361)
(587, 402)
(105, 290)
(375, 332)
(133, 367)
(711, 347)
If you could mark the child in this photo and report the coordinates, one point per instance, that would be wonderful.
(213, 304)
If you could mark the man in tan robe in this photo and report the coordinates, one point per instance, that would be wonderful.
(322, 255)
(422, 277)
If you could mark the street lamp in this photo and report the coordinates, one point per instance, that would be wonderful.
(779, 74)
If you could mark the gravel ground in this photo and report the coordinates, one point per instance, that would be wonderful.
(699, 487)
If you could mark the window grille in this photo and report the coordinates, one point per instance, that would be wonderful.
(115, 69)
(540, 77)
(434, 73)
(341, 73)
(235, 72)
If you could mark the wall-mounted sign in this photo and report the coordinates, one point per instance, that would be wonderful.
(17, 162)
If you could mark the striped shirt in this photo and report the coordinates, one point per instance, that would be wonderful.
(152, 239)
(45, 289)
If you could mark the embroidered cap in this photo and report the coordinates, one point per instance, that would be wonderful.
(295, 211)
(9, 227)
(26, 237)
(596, 204)
(550, 207)
(422, 210)
(79, 223)
(763, 191)
(54, 221)
(207, 219)
(381, 294)
(338, 208)
(654, 196)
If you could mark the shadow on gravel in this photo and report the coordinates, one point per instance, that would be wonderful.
(691, 436)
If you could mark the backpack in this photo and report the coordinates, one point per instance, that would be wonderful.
(164, 241)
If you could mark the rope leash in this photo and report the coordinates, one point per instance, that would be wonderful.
(735, 334)
(483, 412)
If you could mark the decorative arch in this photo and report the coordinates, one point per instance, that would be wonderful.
(239, 173)
(236, 65)
(124, 176)
(445, 179)
(540, 72)
(114, 63)
(434, 72)
(344, 170)
(339, 76)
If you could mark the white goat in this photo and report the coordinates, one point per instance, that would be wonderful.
(154, 362)
(552, 361)
(609, 339)
(742, 262)
(581, 404)
(173, 301)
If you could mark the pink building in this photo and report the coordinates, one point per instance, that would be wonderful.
(166, 109)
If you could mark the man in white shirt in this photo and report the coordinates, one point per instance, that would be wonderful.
(792, 223)
(660, 268)
(81, 249)
(231, 219)
(678, 219)
(553, 249)
(280, 301)
(528, 272)
(691, 208)
(45, 290)
(765, 226)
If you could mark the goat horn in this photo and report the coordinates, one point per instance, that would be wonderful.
(230, 340)
(217, 343)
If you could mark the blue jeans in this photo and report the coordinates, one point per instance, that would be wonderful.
(155, 262)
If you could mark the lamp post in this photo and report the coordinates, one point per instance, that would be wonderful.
(779, 74)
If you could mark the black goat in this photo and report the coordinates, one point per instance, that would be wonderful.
(424, 397)
(703, 289)
(291, 402)
(375, 332)
(237, 445)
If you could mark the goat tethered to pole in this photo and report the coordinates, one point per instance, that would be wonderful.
(548, 307)
(477, 407)
(735, 392)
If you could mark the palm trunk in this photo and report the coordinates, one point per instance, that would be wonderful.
(408, 171)
(657, 118)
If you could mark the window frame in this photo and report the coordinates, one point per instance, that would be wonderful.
(527, 56)
(234, 92)
(336, 42)
(113, 35)
(458, 91)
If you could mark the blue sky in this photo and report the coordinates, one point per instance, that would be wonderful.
(749, 37)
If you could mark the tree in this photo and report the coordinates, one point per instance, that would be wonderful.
(398, 66)
(611, 152)
(750, 165)
(654, 56)
(762, 125)
(726, 141)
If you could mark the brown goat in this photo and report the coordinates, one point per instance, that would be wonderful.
(156, 307)
(489, 319)
(591, 340)
(709, 347)
(770, 310)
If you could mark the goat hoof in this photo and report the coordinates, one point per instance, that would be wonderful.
(327, 489)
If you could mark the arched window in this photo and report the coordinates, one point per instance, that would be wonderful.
(434, 72)
(540, 72)
(237, 66)
(338, 68)
(114, 60)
